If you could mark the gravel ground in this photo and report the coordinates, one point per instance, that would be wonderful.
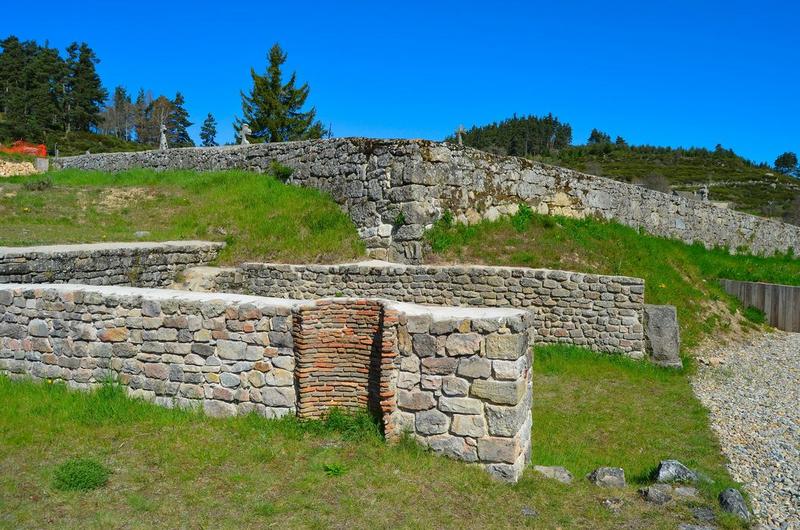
(753, 392)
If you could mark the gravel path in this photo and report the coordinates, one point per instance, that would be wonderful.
(754, 399)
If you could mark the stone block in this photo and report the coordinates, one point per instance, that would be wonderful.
(468, 425)
(662, 335)
(460, 405)
(491, 449)
(431, 422)
(459, 344)
(506, 346)
(499, 392)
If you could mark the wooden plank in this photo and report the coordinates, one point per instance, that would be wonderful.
(780, 303)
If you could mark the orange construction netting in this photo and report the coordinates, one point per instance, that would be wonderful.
(25, 148)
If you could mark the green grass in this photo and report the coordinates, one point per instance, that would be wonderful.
(259, 217)
(16, 157)
(175, 468)
(685, 276)
(80, 474)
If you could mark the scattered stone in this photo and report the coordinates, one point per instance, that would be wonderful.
(608, 477)
(657, 493)
(731, 501)
(704, 514)
(685, 491)
(555, 472)
(141, 234)
(674, 471)
(529, 512)
(613, 504)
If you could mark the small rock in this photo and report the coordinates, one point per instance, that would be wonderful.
(685, 491)
(529, 512)
(674, 471)
(613, 504)
(657, 493)
(731, 501)
(140, 234)
(704, 514)
(555, 472)
(609, 477)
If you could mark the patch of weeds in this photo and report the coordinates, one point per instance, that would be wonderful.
(265, 509)
(399, 219)
(522, 219)
(140, 503)
(279, 171)
(447, 219)
(334, 469)
(80, 474)
(39, 184)
(754, 315)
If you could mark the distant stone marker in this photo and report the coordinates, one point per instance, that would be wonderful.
(162, 143)
(704, 193)
(460, 131)
(243, 132)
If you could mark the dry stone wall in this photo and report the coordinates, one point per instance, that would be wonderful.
(604, 313)
(457, 379)
(395, 189)
(136, 264)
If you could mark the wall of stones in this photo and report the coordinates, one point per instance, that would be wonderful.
(395, 189)
(457, 379)
(136, 264)
(604, 313)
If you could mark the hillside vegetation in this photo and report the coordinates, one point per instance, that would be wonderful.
(259, 217)
(686, 276)
(753, 188)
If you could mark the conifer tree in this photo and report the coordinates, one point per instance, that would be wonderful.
(85, 93)
(178, 123)
(208, 133)
(273, 109)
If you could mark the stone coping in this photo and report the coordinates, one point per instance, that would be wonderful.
(389, 266)
(436, 313)
(93, 247)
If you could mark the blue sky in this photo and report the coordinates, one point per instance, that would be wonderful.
(663, 73)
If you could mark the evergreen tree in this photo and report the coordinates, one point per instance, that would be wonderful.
(598, 137)
(178, 123)
(120, 115)
(85, 93)
(273, 109)
(145, 132)
(208, 133)
(787, 163)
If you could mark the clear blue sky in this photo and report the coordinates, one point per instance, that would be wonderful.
(664, 73)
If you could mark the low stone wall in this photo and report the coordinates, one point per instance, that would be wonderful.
(138, 264)
(457, 379)
(395, 189)
(604, 313)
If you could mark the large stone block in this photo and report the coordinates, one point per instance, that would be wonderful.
(663, 335)
(499, 392)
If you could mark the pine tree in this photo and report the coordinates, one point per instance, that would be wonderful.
(178, 123)
(85, 93)
(598, 137)
(787, 163)
(208, 133)
(273, 109)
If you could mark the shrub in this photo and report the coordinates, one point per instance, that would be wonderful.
(80, 474)
(522, 219)
(39, 184)
(279, 171)
(754, 315)
(334, 469)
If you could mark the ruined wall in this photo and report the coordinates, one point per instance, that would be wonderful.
(137, 264)
(604, 313)
(394, 189)
(458, 380)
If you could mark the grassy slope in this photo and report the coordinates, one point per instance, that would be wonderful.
(259, 217)
(179, 469)
(675, 273)
(748, 187)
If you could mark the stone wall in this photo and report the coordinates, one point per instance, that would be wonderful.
(137, 264)
(457, 379)
(604, 313)
(395, 189)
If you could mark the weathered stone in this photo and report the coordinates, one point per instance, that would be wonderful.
(439, 365)
(608, 477)
(499, 392)
(506, 421)
(506, 346)
(278, 396)
(555, 472)
(424, 345)
(657, 493)
(38, 328)
(459, 344)
(674, 471)
(732, 501)
(474, 367)
(498, 449)
(218, 409)
(663, 335)
(232, 350)
(468, 425)
(431, 422)
(415, 400)
(113, 334)
(229, 380)
(460, 405)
